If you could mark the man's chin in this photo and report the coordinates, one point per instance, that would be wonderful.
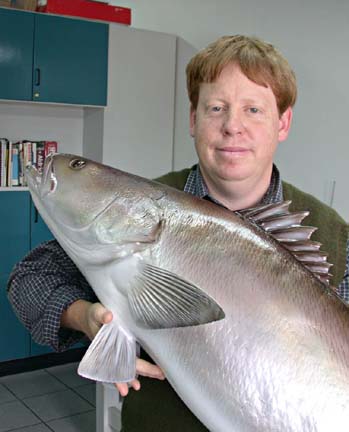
(234, 175)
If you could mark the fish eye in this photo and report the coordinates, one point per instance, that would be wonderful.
(77, 163)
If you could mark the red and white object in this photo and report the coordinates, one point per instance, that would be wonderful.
(50, 147)
(87, 9)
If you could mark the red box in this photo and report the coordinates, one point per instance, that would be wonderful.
(87, 9)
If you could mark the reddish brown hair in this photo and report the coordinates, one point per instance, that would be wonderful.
(260, 61)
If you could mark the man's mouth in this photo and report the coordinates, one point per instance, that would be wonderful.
(234, 150)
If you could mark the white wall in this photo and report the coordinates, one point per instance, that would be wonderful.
(44, 122)
(314, 36)
(138, 121)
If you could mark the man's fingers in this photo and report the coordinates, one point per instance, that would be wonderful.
(101, 315)
(107, 317)
(123, 388)
(147, 369)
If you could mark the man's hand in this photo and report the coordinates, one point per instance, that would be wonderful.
(96, 316)
(88, 318)
(143, 368)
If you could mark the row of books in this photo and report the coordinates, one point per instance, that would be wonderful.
(15, 156)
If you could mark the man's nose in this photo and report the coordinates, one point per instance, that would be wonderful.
(233, 123)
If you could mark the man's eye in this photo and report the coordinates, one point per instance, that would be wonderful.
(254, 110)
(216, 109)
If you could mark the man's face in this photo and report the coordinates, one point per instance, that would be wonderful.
(237, 128)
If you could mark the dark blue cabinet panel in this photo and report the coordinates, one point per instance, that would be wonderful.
(16, 54)
(21, 229)
(52, 59)
(14, 338)
(70, 60)
(14, 228)
(39, 231)
(14, 244)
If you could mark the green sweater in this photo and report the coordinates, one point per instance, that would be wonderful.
(156, 407)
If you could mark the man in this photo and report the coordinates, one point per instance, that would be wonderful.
(242, 92)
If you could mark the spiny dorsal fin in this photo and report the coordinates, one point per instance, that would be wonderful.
(285, 226)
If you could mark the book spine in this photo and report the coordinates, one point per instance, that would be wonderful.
(4, 162)
(40, 155)
(21, 166)
(33, 153)
(3, 170)
(50, 147)
(15, 165)
(26, 159)
(9, 164)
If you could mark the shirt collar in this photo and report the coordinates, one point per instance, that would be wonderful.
(196, 185)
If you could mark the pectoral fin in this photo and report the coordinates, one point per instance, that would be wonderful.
(111, 357)
(160, 299)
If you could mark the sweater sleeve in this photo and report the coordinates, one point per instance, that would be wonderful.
(41, 286)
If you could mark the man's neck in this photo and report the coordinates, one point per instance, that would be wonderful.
(238, 195)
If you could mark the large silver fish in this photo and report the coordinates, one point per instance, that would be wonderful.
(248, 337)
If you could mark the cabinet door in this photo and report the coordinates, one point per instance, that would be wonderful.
(16, 54)
(39, 231)
(14, 228)
(70, 60)
(14, 244)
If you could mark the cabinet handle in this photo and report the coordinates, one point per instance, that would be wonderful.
(36, 215)
(37, 77)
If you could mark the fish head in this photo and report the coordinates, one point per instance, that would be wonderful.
(91, 205)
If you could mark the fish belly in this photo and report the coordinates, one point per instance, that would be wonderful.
(272, 363)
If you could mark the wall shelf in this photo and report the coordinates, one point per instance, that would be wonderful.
(14, 189)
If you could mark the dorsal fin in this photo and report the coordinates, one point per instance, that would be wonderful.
(285, 226)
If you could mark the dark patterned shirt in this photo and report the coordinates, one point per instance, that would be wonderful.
(46, 282)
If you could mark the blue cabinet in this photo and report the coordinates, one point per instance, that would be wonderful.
(21, 229)
(14, 244)
(70, 61)
(52, 59)
(16, 54)
(39, 233)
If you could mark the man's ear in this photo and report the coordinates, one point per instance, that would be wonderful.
(192, 121)
(285, 124)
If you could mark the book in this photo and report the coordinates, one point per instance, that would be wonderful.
(15, 165)
(21, 166)
(16, 156)
(4, 143)
(50, 147)
(27, 158)
(9, 164)
(33, 153)
(40, 155)
(3, 166)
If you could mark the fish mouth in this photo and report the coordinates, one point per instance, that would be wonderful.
(45, 183)
(42, 183)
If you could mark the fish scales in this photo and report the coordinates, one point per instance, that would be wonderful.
(268, 315)
(278, 361)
